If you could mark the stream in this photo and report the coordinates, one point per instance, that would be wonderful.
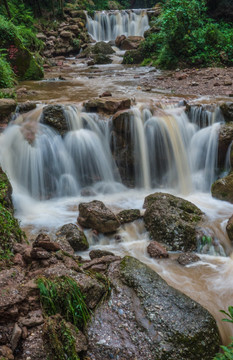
(209, 281)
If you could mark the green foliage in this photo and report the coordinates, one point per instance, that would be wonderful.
(7, 77)
(59, 339)
(76, 44)
(8, 95)
(63, 296)
(188, 37)
(229, 314)
(227, 350)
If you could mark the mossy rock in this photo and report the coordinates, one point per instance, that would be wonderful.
(172, 221)
(20, 58)
(133, 56)
(5, 191)
(222, 189)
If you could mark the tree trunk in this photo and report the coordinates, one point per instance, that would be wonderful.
(7, 8)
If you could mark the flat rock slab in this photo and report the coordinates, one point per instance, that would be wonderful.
(108, 105)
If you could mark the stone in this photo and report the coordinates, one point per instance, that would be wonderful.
(33, 318)
(119, 40)
(66, 34)
(99, 253)
(26, 107)
(156, 250)
(187, 258)
(7, 107)
(43, 241)
(229, 228)
(41, 36)
(54, 116)
(108, 105)
(16, 335)
(72, 234)
(227, 111)
(145, 318)
(103, 260)
(101, 59)
(18, 260)
(6, 191)
(97, 216)
(222, 189)
(105, 94)
(33, 346)
(172, 221)
(131, 42)
(224, 141)
(126, 216)
(6, 353)
(134, 56)
(99, 48)
(39, 254)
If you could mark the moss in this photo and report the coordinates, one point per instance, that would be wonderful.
(5, 191)
(34, 71)
(59, 339)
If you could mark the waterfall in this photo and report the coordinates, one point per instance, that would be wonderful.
(107, 25)
(166, 149)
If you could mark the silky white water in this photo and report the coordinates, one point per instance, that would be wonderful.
(172, 153)
(107, 25)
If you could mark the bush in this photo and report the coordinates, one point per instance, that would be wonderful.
(7, 76)
(188, 37)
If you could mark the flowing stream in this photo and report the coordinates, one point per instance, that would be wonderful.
(172, 152)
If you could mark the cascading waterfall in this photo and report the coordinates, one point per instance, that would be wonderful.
(168, 149)
(107, 25)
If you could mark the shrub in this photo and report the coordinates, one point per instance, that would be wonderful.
(7, 76)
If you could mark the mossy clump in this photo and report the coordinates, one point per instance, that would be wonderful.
(59, 339)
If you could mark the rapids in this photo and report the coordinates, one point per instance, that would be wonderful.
(175, 153)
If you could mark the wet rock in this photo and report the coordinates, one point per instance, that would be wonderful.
(105, 94)
(172, 221)
(187, 258)
(16, 335)
(121, 121)
(145, 318)
(26, 107)
(225, 139)
(227, 111)
(108, 105)
(99, 253)
(133, 56)
(101, 59)
(156, 250)
(222, 189)
(119, 40)
(97, 216)
(6, 191)
(131, 42)
(7, 107)
(229, 228)
(87, 192)
(75, 237)
(54, 116)
(126, 216)
(43, 241)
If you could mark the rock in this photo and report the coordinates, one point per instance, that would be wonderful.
(103, 260)
(224, 141)
(105, 94)
(16, 335)
(172, 221)
(108, 105)
(54, 116)
(6, 191)
(26, 107)
(101, 59)
(119, 40)
(6, 353)
(187, 258)
(66, 34)
(126, 216)
(7, 107)
(99, 48)
(97, 216)
(229, 228)
(43, 241)
(222, 189)
(227, 111)
(33, 318)
(87, 191)
(156, 250)
(33, 346)
(99, 253)
(131, 42)
(145, 318)
(27, 255)
(18, 260)
(40, 254)
(74, 236)
(133, 56)
(41, 36)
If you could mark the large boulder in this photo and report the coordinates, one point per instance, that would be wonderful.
(126, 216)
(135, 56)
(97, 216)
(145, 318)
(54, 116)
(131, 43)
(227, 111)
(7, 107)
(99, 48)
(108, 105)
(172, 221)
(222, 189)
(225, 139)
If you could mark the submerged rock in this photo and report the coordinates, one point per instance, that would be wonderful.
(54, 116)
(172, 221)
(156, 250)
(97, 216)
(222, 189)
(187, 258)
(147, 319)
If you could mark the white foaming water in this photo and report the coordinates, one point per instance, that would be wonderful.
(172, 154)
(107, 25)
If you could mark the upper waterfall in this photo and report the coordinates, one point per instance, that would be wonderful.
(107, 25)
